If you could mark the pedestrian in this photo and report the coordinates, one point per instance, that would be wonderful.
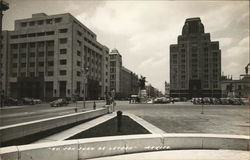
(94, 106)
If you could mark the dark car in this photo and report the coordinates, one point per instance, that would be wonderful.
(9, 101)
(59, 102)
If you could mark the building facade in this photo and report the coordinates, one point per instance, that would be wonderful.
(122, 80)
(235, 88)
(54, 56)
(195, 63)
(167, 89)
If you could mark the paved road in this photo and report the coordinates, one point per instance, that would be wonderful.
(187, 118)
(19, 114)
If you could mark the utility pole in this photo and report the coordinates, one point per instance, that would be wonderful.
(3, 7)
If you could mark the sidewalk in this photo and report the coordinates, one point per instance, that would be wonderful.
(183, 154)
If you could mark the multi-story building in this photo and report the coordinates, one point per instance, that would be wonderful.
(153, 92)
(235, 88)
(195, 63)
(122, 80)
(54, 56)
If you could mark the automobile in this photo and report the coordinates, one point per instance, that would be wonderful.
(28, 101)
(161, 100)
(37, 101)
(59, 102)
(158, 100)
(9, 101)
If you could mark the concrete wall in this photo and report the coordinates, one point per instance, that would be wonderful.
(107, 146)
(20, 130)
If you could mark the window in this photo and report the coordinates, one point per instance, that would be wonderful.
(31, 35)
(63, 40)
(50, 53)
(65, 30)
(14, 74)
(58, 20)
(32, 74)
(50, 33)
(63, 62)
(79, 33)
(40, 22)
(23, 55)
(14, 37)
(63, 51)
(32, 45)
(112, 63)
(23, 45)
(50, 63)
(14, 55)
(78, 73)
(78, 63)
(40, 44)
(23, 74)
(41, 54)
(63, 72)
(41, 64)
(23, 24)
(32, 23)
(41, 34)
(23, 36)
(14, 65)
(79, 42)
(49, 21)
(40, 74)
(50, 73)
(78, 53)
(50, 43)
(32, 64)
(32, 54)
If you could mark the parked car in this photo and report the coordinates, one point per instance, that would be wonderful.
(37, 101)
(59, 102)
(28, 101)
(9, 101)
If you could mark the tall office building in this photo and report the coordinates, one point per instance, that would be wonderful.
(195, 63)
(53, 56)
(122, 80)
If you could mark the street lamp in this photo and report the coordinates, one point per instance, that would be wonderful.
(84, 74)
(3, 7)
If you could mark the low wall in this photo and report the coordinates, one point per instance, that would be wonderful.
(12, 132)
(108, 146)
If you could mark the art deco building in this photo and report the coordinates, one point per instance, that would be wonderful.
(50, 56)
(122, 80)
(195, 63)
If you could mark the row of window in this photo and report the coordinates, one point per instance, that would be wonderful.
(50, 63)
(39, 34)
(41, 22)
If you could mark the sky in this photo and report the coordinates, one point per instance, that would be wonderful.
(142, 31)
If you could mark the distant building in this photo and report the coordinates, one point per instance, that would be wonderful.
(195, 63)
(239, 88)
(153, 92)
(167, 89)
(122, 80)
(49, 56)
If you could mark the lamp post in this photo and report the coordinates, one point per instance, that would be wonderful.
(3, 7)
(84, 73)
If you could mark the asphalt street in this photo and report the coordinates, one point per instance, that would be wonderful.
(18, 114)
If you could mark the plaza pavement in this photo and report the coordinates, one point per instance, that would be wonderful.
(184, 117)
